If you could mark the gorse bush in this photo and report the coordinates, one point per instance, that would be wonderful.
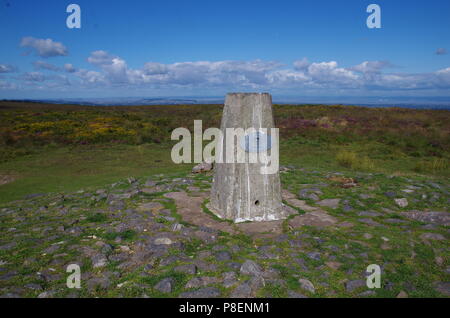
(434, 165)
(351, 160)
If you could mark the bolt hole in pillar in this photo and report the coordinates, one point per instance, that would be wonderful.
(257, 202)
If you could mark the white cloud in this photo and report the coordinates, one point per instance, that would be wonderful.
(41, 65)
(321, 76)
(5, 68)
(34, 77)
(371, 66)
(69, 68)
(301, 64)
(44, 47)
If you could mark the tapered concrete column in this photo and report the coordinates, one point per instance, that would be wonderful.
(240, 191)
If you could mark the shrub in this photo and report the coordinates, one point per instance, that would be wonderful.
(434, 165)
(350, 159)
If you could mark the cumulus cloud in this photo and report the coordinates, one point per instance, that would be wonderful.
(110, 71)
(44, 47)
(441, 51)
(301, 64)
(41, 65)
(5, 68)
(4, 85)
(69, 68)
(34, 77)
(371, 66)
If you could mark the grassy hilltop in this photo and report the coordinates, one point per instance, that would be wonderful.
(47, 147)
(92, 185)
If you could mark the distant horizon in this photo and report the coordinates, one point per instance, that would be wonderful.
(422, 102)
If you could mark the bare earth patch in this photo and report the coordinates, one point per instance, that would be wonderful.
(314, 216)
(5, 179)
(190, 208)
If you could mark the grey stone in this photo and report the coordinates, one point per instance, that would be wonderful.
(242, 291)
(162, 241)
(312, 194)
(439, 218)
(293, 294)
(207, 292)
(165, 285)
(251, 268)
(330, 203)
(402, 202)
(355, 284)
(202, 167)
(223, 256)
(202, 281)
(314, 255)
(443, 288)
(187, 269)
(99, 260)
(432, 236)
(369, 213)
(98, 283)
(307, 285)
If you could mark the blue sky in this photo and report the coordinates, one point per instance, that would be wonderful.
(207, 48)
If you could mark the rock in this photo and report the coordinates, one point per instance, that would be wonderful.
(187, 269)
(307, 285)
(440, 218)
(33, 286)
(312, 194)
(8, 246)
(318, 218)
(314, 255)
(223, 256)
(443, 288)
(402, 294)
(367, 293)
(202, 281)
(47, 294)
(98, 282)
(250, 268)
(293, 294)
(347, 208)
(256, 283)
(402, 203)
(207, 292)
(99, 260)
(334, 265)
(149, 183)
(368, 236)
(165, 285)
(163, 241)
(229, 279)
(202, 167)
(242, 291)
(355, 284)
(390, 194)
(330, 203)
(432, 236)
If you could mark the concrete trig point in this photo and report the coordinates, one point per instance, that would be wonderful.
(240, 192)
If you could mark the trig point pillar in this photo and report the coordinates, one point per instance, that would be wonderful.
(240, 191)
